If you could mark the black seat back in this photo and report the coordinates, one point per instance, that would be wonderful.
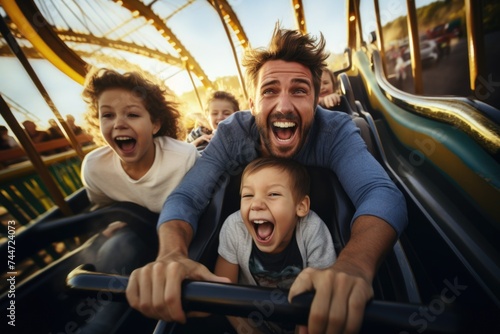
(347, 91)
(344, 106)
(328, 200)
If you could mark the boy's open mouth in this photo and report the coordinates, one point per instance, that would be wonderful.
(284, 130)
(263, 229)
(125, 144)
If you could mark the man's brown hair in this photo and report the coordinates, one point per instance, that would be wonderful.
(290, 46)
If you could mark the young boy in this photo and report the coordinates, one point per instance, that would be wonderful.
(275, 234)
(220, 106)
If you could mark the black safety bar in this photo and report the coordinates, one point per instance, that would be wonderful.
(272, 303)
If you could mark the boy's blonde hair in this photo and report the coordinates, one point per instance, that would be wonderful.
(299, 177)
(226, 96)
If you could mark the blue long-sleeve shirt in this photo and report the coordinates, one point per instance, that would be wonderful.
(333, 142)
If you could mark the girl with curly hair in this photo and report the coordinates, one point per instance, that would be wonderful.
(143, 160)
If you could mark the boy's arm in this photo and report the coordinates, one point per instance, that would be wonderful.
(224, 268)
(227, 269)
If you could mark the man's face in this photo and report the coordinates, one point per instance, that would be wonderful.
(283, 107)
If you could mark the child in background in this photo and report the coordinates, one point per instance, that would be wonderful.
(220, 106)
(328, 96)
(37, 136)
(143, 161)
(6, 140)
(274, 235)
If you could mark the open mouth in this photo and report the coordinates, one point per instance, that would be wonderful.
(284, 130)
(125, 144)
(263, 230)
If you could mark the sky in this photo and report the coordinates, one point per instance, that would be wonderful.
(200, 30)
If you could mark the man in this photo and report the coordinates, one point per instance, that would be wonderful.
(284, 84)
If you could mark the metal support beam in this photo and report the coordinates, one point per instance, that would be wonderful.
(380, 33)
(16, 49)
(146, 12)
(39, 32)
(300, 19)
(235, 56)
(35, 158)
(234, 22)
(186, 66)
(354, 32)
(414, 41)
(475, 45)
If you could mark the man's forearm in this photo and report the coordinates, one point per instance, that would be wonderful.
(371, 239)
(175, 237)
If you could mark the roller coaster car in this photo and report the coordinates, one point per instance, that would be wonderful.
(394, 285)
(424, 285)
(442, 275)
(41, 302)
(45, 304)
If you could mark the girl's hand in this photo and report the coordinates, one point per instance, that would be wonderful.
(330, 101)
(200, 140)
(112, 228)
